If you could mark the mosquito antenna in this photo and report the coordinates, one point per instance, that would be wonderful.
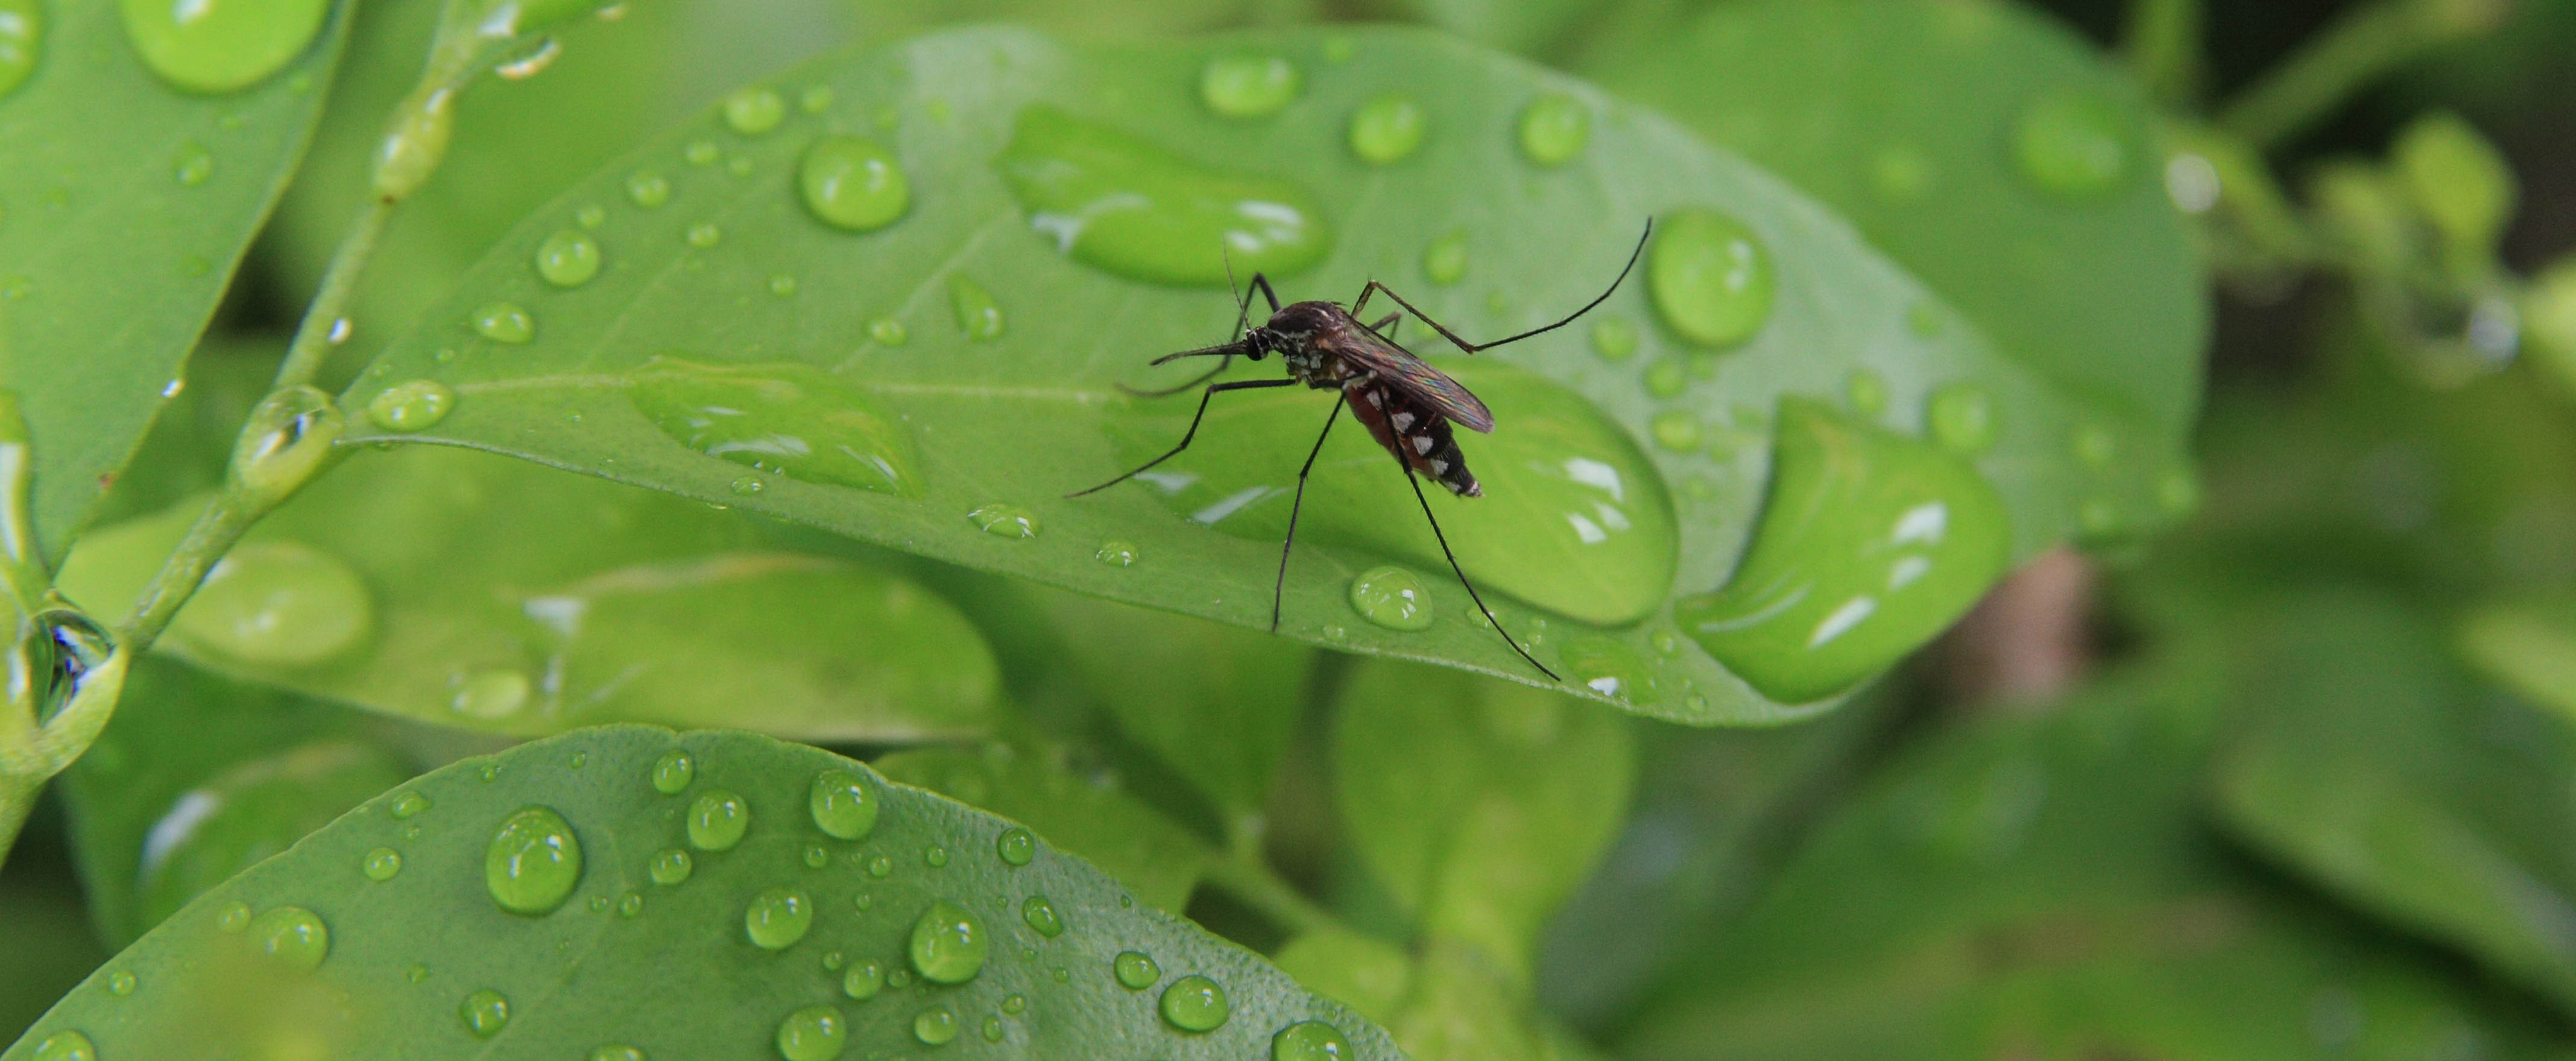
(1462, 344)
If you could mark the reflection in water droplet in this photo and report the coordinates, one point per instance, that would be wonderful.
(1116, 553)
(1962, 417)
(234, 917)
(194, 164)
(788, 417)
(717, 820)
(886, 330)
(1610, 667)
(852, 182)
(1015, 1003)
(292, 935)
(1016, 846)
(1006, 521)
(863, 981)
(1868, 544)
(1445, 260)
(671, 866)
(777, 918)
(1387, 129)
(814, 1033)
(22, 42)
(66, 1046)
(505, 322)
(935, 1026)
(569, 258)
(1194, 1004)
(413, 405)
(1554, 129)
(1614, 338)
(1248, 86)
(782, 285)
(1711, 277)
(1666, 378)
(1041, 916)
(647, 189)
(673, 771)
(1392, 597)
(2074, 145)
(1126, 205)
(381, 864)
(533, 861)
(485, 1013)
(843, 806)
(220, 47)
(278, 603)
(935, 855)
(630, 906)
(120, 983)
(1310, 1040)
(753, 110)
(948, 944)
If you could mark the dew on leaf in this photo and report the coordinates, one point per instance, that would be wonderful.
(220, 47)
(816, 857)
(591, 215)
(935, 856)
(887, 331)
(1553, 129)
(120, 983)
(234, 917)
(1116, 553)
(1015, 1003)
(1194, 1003)
(631, 905)
(1249, 86)
(879, 866)
(815, 99)
(615, 1052)
(1675, 429)
(491, 694)
(1610, 667)
(671, 866)
(194, 166)
(569, 258)
(853, 183)
(505, 322)
(1131, 207)
(782, 285)
(1711, 277)
(1310, 1040)
(935, 1026)
(66, 1046)
(647, 189)
(2074, 145)
(777, 918)
(533, 861)
(1962, 417)
(412, 405)
(22, 42)
(704, 234)
(948, 944)
(1667, 378)
(753, 110)
(673, 771)
(979, 315)
(1016, 846)
(1135, 971)
(844, 807)
(1041, 916)
(1005, 521)
(381, 864)
(717, 820)
(1392, 597)
(1386, 130)
(789, 418)
(814, 1033)
(702, 152)
(863, 981)
(293, 936)
(1614, 338)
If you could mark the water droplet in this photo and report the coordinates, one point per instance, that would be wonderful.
(815, 99)
(993, 1029)
(1016, 846)
(293, 936)
(979, 316)
(533, 862)
(1005, 521)
(935, 855)
(1676, 430)
(1310, 1040)
(863, 900)
(283, 442)
(753, 110)
(673, 772)
(1194, 1003)
(788, 418)
(1116, 553)
(647, 189)
(1135, 971)
(1249, 86)
(782, 285)
(1126, 205)
(1041, 916)
(935, 1026)
(491, 694)
(220, 47)
(120, 983)
(599, 904)
(591, 215)
(1614, 338)
(505, 322)
(66, 1046)
(702, 152)
(381, 864)
(416, 973)
(630, 905)
(528, 58)
(194, 164)
(1554, 129)
(1608, 666)
(948, 945)
(414, 405)
(1015, 1003)
(22, 41)
(1711, 277)
(234, 917)
(844, 806)
(777, 918)
(1444, 262)
(671, 866)
(1387, 129)
(717, 820)
(1667, 378)
(278, 603)
(2074, 145)
(1868, 544)
(863, 981)
(616, 1052)
(886, 330)
(853, 182)
(2095, 446)
(1962, 417)
(569, 258)
(1868, 392)
(814, 1033)
(705, 234)
(1392, 597)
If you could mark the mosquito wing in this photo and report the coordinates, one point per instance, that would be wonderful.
(1397, 367)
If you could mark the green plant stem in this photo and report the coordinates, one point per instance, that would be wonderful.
(1253, 881)
(224, 521)
(313, 343)
(2362, 45)
(2162, 43)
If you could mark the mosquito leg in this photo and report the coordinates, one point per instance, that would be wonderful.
(1386, 326)
(1263, 282)
(1186, 436)
(1462, 574)
(1374, 287)
(1280, 588)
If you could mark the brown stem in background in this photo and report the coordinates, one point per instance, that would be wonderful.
(2030, 639)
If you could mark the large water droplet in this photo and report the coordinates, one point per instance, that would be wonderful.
(1711, 277)
(935, 1026)
(1135, 971)
(533, 862)
(777, 918)
(754, 109)
(1554, 129)
(1610, 667)
(786, 417)
(278, 603)
(485, 1013)
(283, 442)
(1128, 206)
(1869, 543)
(843, 806)
(293, 936)
(1194, 1004)
(66, 1046)
(2074, 144)
(1005, 521)
(505, 322)
(220, 45)
(381, 864)
(673, 771)
(1041, 916)
(671, 866)
(717, 821)
(413, 405)
(1392, 597)
(569, 258)
(1386, 130)
(853, 182)
(1962, 418)
(1249, 86)
(22, 45)
(1310, 1040)
(814, 1033)
(1016, 846)
(948, 945)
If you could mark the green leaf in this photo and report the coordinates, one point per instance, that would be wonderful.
(1158, 860)
(467, 590)
(2526, 646)
(119, 236)
(1002, 426)
(2372, 765)
(1987, 150)
(1363, 972)
(49, 943)
(197, 778)
(1479, 805)
(613, 958)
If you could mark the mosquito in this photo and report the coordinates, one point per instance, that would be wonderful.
(1406, 404)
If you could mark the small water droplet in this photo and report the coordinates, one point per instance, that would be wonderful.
(935, 855)
(1016, 846)
(787, 418)
(1554, 129)
(591, 215)
(647, 189)
(1868, 392)
(705, 234)
(1249, 86)
(22, 41)
(194, 164)
(746, 486)
(599, 904)
(1962, 417)
(293, 936)
(935, 1026)
(1667, 378)
(283, 442)
(717, 820)
(816, 857)
(993, 1029)
(844, 807)
(887, 331)
(815, 99)
(814, 1033)
(702, 152)
(1135, 971)
(414, 405)
(2074, 145)
(1676, 429)
(979, 316)
(1614, 338)
(1005, 521)
(1608, 666)
(862, 900)
(1711, 277)
(753, 110)
(415, 973)
(120, 983)
(1392, 597)
(1041, 916)
(631, 905)
(616, 1052)
(863, 981)
(569, 258)
(66, 1046)
(221, 47)
(777, 918)
(533, 861)
(854, 183)
(505, 322)
(1387, 129)
(1116, 553)
(1445, 260)
(671, 866)
(381, 864)
(673, 771)
(1194, 1003)
(1015, 1003)
(948, 944)
(234, 917)
(1310, 1040)
(1129, 206)
(782, 285)
(491, 694)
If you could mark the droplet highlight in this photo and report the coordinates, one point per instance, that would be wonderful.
(673, 771)
(753, 110)
(1194, 1004)
(2075, 145)
(814, 1033)
(948, 944)
(1005, 521)
(717, 821)
(1040, 916)
(1128, 206)
(569, 258)
(853, 183)
(1249, 86)
(485, 1013)
(1392, 597)
(1016, 846)
(292, 936)
(777, 918)
(843, 806)
(210, 47)
(381, 864)
(1310, 1040)
(505, 322)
